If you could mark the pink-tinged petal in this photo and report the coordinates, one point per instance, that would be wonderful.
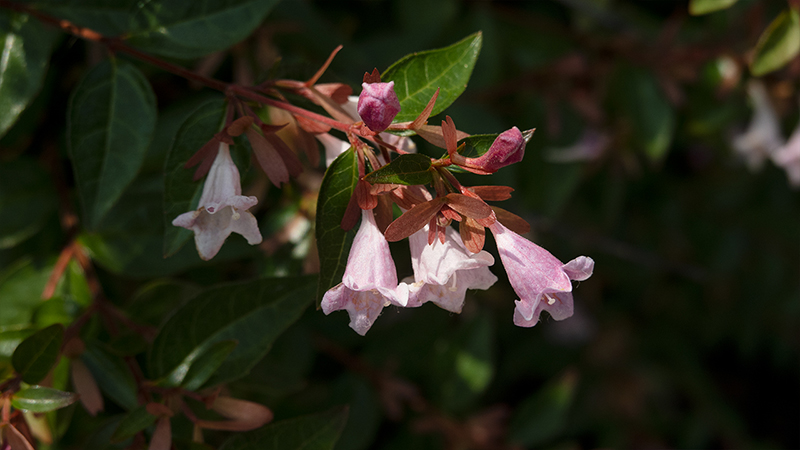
(363, 307)
(333, 147)
(580, 268)
(788, 157)
(763, 136)
(222, 181)
(437, 263)
(560, 306)
(370, 263)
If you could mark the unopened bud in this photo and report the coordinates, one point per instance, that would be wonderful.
(378, 105)
(508, 148)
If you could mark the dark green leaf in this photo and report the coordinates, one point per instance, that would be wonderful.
(10, 339)
(405, 169)
(112, 115)
(113, 376)
(41, 399)
(700, 7)
(26, 52)
(333, 243)
(779, 43)
(313, 432)
(647, 110)
(110, 18)
(181, 192)
(21, 287)
(35, 356)
(202, 366)
(253, 313)
(133, 422)
(194, 29)
(544, 415)
(417, 76)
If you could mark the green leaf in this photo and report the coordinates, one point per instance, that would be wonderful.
(112, 115)
(417, 76)
(198, 367)
(333, 243)
(133, 422)
(543, 416)
(700, 7)
(25, 54)
(41, 399)
(112, 375)
(778, 44)
(9, 340)
(405, 169)
(194, 29)
(477, 144)
(253, 313)
(110, 18)
(312, 432)
(181, 192)
(36, 355)
(21, 288)
(647, 110)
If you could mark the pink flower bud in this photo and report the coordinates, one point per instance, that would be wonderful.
(378, 105)
(508, 148)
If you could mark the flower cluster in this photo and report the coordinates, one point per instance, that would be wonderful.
(445, 262)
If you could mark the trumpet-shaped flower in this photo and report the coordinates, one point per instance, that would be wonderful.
(539, 278)
(370, 279)
(763, 136)
(222, 209)
(444, 271)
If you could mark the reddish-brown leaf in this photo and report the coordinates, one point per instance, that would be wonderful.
(473, 235)
(422, 119)
(512, 221)
(492, 193)
(268, 157)
(413, 220)
(468, 206)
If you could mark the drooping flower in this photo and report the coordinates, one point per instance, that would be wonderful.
(222, 209)
(788, 157)
(444, 271)
(542, 282)
(378, 105)
(370, 279)
(763, 135)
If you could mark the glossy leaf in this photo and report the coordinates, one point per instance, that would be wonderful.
(417, 76)
(25, 55)
(333, 243)
(21, 286)
(200, 365)
(700, 7)
(316, 431)
(194, 29)
(111, 118)
(39, 399)
(405, 169)
(779, 43)
(36, 355)
(112, 375)
(253, 313)
(181, 192)
(543, 416)
(133, 422)
(111, 18)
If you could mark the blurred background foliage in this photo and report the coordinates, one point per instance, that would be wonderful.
(687, 333)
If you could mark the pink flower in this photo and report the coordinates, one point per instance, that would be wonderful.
(333, 146)
(378, 105)
(539, 278)
(508, 148)
(788, 157)
(222, 209)
(444, 272)
(763, 136)
(370, 279)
